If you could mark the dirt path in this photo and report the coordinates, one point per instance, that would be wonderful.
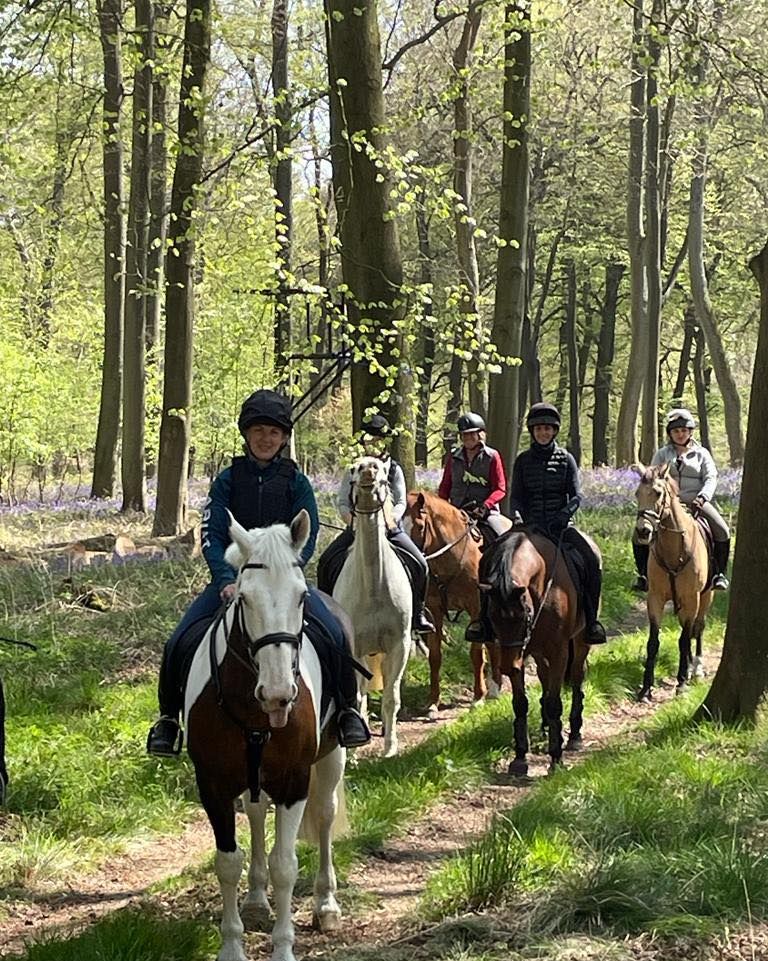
(389, 883)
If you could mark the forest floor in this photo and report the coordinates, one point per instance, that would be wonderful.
(381, 894)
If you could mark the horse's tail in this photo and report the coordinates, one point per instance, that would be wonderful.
(309, 829)
(376, 683)
(569, 665)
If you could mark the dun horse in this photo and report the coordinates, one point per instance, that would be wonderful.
(535, 611)
(255, 716)
(452, 549)
(678, 571)
(373, 588)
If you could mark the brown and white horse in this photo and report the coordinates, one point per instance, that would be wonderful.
(452, 548)
(678, 571)
(255, 718)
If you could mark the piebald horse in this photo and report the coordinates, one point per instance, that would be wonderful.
(373, 588)
(255, 717)
(678, 571)
(451, 545)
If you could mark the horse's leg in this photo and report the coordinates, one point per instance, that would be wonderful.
(435, 645)
(228, 865)
(698, 669)
(392, 668)
(283, 869)
(578, 670)
(513, 665)
(655, 611)
(325, 800)
(254, 909)
(494, 681)
(478, 672)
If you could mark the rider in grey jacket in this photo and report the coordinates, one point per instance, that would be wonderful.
(692, 466)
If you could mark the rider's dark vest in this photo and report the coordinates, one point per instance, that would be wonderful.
(545, 479)
(470, 483)
(256, 502)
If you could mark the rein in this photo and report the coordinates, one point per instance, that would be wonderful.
(533, 621)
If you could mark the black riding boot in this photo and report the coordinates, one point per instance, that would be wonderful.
(422, 622)
(481, 630)
(165, 737)
(641, 552)
(352, 729)
(721, 551)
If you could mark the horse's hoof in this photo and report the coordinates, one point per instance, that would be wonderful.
(327, 922)
(555, 764)
(478, 702)
(574, 743)
(680, 689)
(644, 695)
(256, 915)
(699, 671)
(433, 713)
(493, 691)
(517, 768)
(231, 951)
(391, 751)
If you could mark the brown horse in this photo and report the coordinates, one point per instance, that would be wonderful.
(451, 545)
(535, 611)
(678, 570)
(257, 718)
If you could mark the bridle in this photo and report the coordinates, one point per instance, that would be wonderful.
(377, 486)
(656, 519)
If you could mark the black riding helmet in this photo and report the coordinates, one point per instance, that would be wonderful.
(266, 407)
(470, 421)
(376, 426)
(543, 414)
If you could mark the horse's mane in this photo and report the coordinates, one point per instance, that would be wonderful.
(650, 474)
(496, 563)
(274, 544)
(437, 505)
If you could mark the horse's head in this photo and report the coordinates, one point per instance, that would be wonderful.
(654, 498)
(269, 608)
(508, 571)
(416, 519)
(369, 487)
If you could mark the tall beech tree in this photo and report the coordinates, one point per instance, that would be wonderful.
(370, 247)
(175, 426)
(105, 451)
(512, 262)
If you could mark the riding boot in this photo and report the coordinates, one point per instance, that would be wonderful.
(641, 552)
(165, 737)
(721, 551)
(481, 630)
(352, 729)
(594, 632)
(331, 560)
(421, 622)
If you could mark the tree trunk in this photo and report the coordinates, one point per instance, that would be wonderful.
(626, 428)
(604, 365)
(107, 432)
(689, 327)
(370, 247)
(427, 339)
(158, 222)
(464, 223)
(650, 431)
(742, 678)
(700, 384)
(134, 350)
(170, 514)
(512, 263)
(454, 404)
(574, 433)
(282, 175)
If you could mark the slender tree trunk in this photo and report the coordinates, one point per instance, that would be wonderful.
(370, 247)
(512, 263)
(427, 339)
(158, 201)
(574, 433)
(700, 385)
(653, 240)
(604, 365)
(464, 223)
(626, 429)
(107, 432)
(133, 464)
(453, 406)
(689, 327)
(282, 177)
(170, 514)
(741, 681)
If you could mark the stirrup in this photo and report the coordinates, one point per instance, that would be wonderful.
(165, 738)
(475, 632)
(595, 634)
(641, 584)
(355, 735)
(720, 582)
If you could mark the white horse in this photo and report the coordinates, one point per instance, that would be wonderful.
(254, 720)
(374, 589)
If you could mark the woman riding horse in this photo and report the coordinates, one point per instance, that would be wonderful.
(545, 492)
(694, 470)
(374, 443)
(259, 489)
(474, 481)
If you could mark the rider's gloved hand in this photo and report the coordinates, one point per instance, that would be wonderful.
(227, 593)
(481, 512)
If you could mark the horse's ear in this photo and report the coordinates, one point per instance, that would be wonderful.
(420, 501)
(300, 528)
(238, 551)
(664, 469)
(638, 469)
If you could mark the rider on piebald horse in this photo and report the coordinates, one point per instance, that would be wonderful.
(259, 489)
(473, 480)
(545, 492)
(692, 466)
(374, 443)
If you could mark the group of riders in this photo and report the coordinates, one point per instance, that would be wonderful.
(263, 487)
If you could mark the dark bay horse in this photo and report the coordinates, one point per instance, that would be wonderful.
(678, 571)
(535, 611)
(452, 548)
(255, 717)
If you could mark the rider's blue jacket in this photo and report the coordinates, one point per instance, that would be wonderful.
(215, 526)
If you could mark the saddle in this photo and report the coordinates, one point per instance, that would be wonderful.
(709, 540)
(333, 562)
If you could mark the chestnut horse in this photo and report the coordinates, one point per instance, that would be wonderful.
(535, 611)
(255, 716)
(678, 571)
(451, 544)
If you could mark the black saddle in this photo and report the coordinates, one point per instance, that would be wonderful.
(184, 650)
(333, 561)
